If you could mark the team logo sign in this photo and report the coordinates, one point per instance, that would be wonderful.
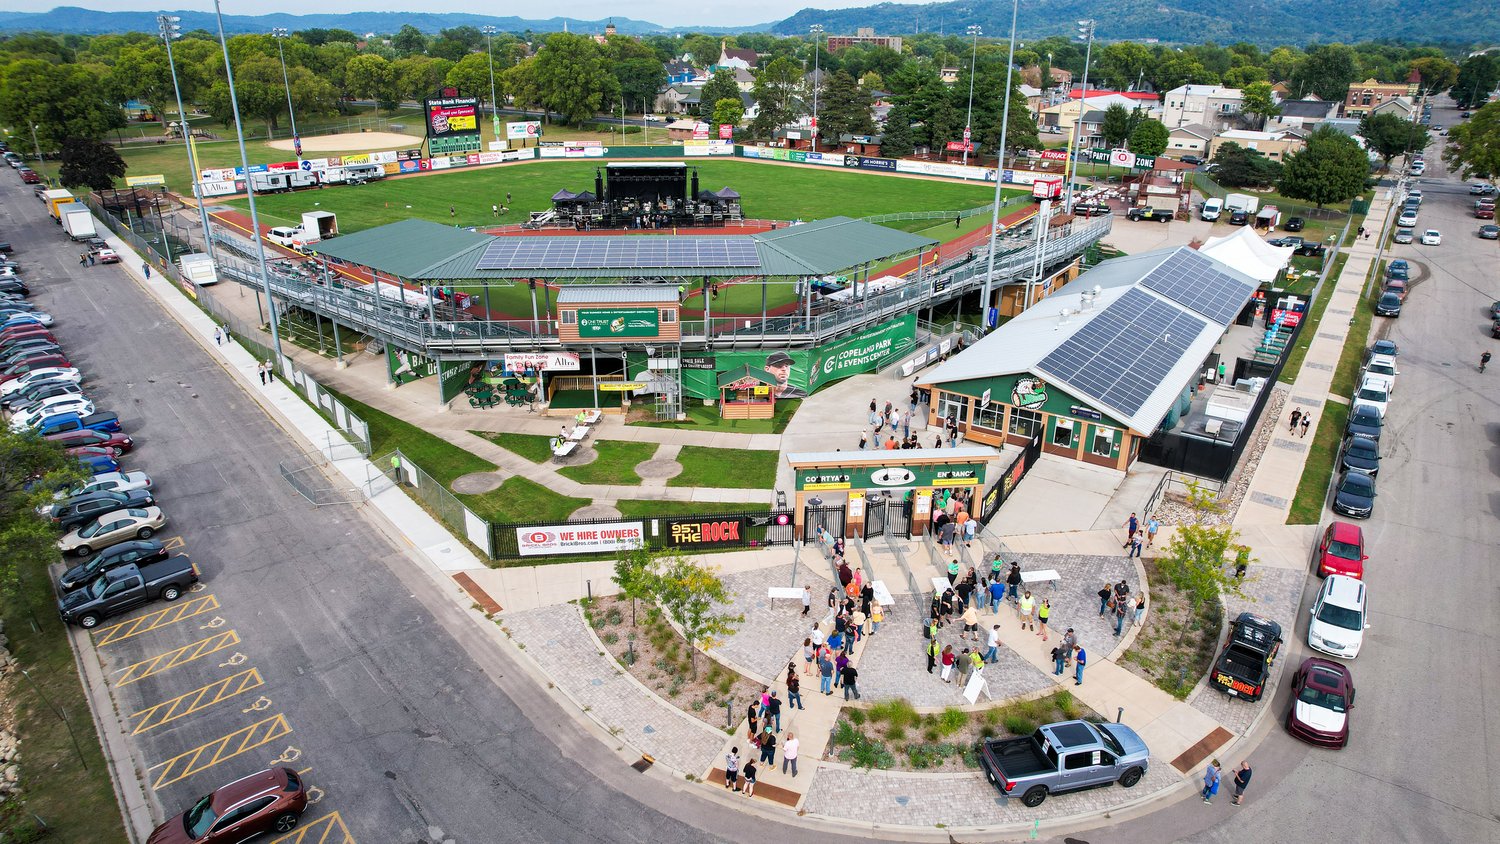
(1029, 393)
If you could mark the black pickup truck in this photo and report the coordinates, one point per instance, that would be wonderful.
(124, 588)
(1148, 213)
(1245, 663)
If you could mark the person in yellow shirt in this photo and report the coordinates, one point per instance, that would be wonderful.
(1026, 610)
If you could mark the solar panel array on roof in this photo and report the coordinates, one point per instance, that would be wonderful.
(1195, 281)
(576, 253)
(1125, 351)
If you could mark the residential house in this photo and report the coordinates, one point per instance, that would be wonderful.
(680, 72)
(1035, 99)
(681, 130)
(1305, 113)
(949, 75)
(1145, 99)
(1213, 106)
(1346, 125)
(1058, 119)
(1402, 107)
(1281, 92)
(673, 99)
(744, 79)
(735, 56)
(864, 35)
(1273, 145)
(1191, 139)
(1364, 96)
(1056, 78)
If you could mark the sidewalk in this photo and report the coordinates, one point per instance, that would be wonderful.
(1274, 485)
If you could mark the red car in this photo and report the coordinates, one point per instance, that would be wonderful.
(30, 177)
(92, 451)
(25, 332)
(118, 443)
(1341, 551)
(270, 801)
(1322, 695)
(17, 370)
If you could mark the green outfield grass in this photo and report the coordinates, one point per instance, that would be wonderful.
(770, 191)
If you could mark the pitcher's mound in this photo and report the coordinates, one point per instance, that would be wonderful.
(351, 140)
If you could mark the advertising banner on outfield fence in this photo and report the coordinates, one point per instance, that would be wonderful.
(938, 168)
(710, 147)
(579, 539)
(834, 159)
(541, 361)
(522, 130)
(704, 532)
(224, 188)
(865, 162)
(571, 149)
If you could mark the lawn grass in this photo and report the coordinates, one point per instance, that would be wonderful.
(636, 508)
(533, 447)
(726, 467)
(1314, 317)
(1312, 489)
(701, 417)
(523, 500)
(770, 191)
(615, 465)
(1347, 372)
(74, 798)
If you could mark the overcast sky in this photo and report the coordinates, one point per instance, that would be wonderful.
(665, 12)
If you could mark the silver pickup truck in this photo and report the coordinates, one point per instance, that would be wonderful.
(1066, 756)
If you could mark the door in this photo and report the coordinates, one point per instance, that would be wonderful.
(122, 595)
(241, 823)
(876, 514)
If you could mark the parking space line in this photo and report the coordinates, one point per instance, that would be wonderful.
(328, 829)
(173, 658)
(154, 620)
(173, 543)
(205, 756)
(201, 698)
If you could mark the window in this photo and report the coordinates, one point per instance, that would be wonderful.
(1104, 442)
(243, 813)
(1078, 761)
(1026, 423)
(668, 315)
(991, 417)
(570, 317)
(953, 405)
(1062, 434)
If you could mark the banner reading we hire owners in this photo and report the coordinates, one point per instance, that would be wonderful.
(580, 539)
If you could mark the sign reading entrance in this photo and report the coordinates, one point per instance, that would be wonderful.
(959, 474)
(617, 322)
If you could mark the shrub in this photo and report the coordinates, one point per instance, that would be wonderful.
(846, 733)
(952, 720)
(932, 733)
(614, 616)
(988, 731)
(896, 712)
(611, 638)
(1019, 726)
(856, 716)
(895, 732)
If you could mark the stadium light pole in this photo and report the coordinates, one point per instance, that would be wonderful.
(239, 133)
(489, 48)
(1070, 167)
(280, 33)
(989, 272)
(974, 31)
(817, 34)
(170, 30)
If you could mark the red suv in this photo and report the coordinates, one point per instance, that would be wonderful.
(1342, 551)
(270, 801)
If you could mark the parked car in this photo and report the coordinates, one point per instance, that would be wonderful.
(124, 588)
(16, 370)
(271, 801)
(41, 390)
(1407, 219)
(112, 528)
(1245, 663)
(1365, 420)
(1489, 232)
(1341, 550)
(103, 421)
(1396, 286)
(137, 552)
(118, 482)
(1239, 217)
(1147, 213)
(1194, 160)
(50, 407)
(57, 373)
(1294, 224)
(96, 464)
(1495, 329)
(1061, 757)
(119, 443)
(1323, 694)
(1404, 235)
(1384, 368)
(1401, 270)
(30, 177)
(1389, 305)
(1360, 454)
(108, 256)
(25, 332)
(41, 318)
(14, 285)
(1372, 392)
(1385, 347)
(1338, 625)
(1355, 495)
(1432, 237)
(1481, 189)
(75, 512)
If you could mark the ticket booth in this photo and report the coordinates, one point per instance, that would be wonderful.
(747, 392)
(884, 479)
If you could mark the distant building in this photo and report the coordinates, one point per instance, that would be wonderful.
(1191, 139)
(1305, 113)
(736, 56)
(1364, 96)
(1403, 107)
(1273, 145)
(949, 75)
(680, 72)
(1145, 99)
(1213, 106)
(864, 35)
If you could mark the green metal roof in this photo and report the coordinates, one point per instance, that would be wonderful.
(406, 248)
(828, 246)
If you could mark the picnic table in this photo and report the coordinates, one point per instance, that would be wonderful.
(578, 433)
(1041, 576)
(592, 417)
(562, 448)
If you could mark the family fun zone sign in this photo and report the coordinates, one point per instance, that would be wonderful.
(583, 539)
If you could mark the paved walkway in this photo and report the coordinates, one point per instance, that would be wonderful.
(1274, 485)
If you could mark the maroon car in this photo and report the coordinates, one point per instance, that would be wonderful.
(116, 442)
(1322, 695)
(271, 801)
(16, 370)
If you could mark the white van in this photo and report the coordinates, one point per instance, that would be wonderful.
(288, 236)
(1338, 623)
(1212, 208)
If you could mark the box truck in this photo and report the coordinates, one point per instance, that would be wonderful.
(319, 225)
(1241, 202)
(77, 221)
(55, 198)
(198, 268)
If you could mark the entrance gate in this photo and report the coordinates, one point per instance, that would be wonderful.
(830, 517)
(887, 514)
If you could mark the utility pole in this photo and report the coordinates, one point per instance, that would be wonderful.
(1085, 31)
(989, 271)
(817, 34)
(170, 30)
(489, 48)
(280, 33)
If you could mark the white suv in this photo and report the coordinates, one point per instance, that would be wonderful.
(1381, 369)
(1407, 219)
(1338, 623)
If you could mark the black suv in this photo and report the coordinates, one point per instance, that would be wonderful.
(137, 551)
(83, 509)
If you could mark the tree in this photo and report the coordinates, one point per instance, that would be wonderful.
(472, 75)
(777, 90)
(1474, 145)
(730, 111)
(1149, 137)
(415, 77)
(1122, 63)
(409, 40)
(1327, 72)
(1477, 77)
(141, 72)
(1282, 63)
(1239, 167)
(62, 101)
(90, 164)
(721, 86)
(1391, 135)
(1331, 168)
(27, 539)
(1195, 558)
(844, 109)
(635, 574)
(640, 78)
(572, 78)
(691, 593)
(897, 139)
(1257, 99)
(1116, 125)
(1438, 74)
(520, 83)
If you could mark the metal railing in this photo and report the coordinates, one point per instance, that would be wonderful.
(1177, 481)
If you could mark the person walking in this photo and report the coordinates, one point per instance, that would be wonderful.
(864, 440)
(953, 565)
(877, 615)
(992, 645)
(1210, 781)
(750, 774)
(1241, 782)
(1296, 417)
(789, 753)
(1013, 581)
(1122, 610)
(1135, 547)
(260, 369)
(997, 594)
(1080, 659)
(873, 412)
(732, 769)
(216, 335)
(851, 681)
(1043, 612)
(971, 624)
(768, 747)
(1306, 424)
(1059, 655)
(806, 600)
(1152, 526)
(495, 210)
(825, 673)
(1132, 525)
(765, 701)
(1026, 610)
(146, 270)
(1484, 360)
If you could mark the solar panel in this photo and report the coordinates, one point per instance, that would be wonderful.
(1125, 351)
(577, 253)
(1196, 281)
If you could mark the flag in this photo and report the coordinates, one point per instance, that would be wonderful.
(297, 145)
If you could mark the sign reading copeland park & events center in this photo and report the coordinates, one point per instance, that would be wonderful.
(607, 323)
(864, 477)
(582, 539)
(801, 371)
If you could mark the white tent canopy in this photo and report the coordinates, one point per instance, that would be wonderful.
(1246, 252)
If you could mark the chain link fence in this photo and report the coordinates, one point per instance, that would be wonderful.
(436, 498)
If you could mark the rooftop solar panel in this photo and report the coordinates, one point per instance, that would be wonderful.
(542, 253)
(1195, 281)
(1125, 351)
